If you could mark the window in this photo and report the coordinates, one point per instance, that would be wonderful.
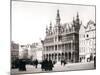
(60, 38)
(55, 47)
(87, 35)
(55, 38)
(47, 48)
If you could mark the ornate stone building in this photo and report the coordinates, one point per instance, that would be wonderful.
(87, 42)
(62, 40)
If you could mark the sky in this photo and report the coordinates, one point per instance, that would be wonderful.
(29, 19)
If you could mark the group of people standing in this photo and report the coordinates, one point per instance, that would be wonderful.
(47, 65)
(22, 65)
(63, 62)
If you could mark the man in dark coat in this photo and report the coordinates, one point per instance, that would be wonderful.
(22, 65)
(50, 65)
(36, 63)
(46, 65)
(42, 65)
(95, 62)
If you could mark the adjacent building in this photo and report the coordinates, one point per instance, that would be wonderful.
(62, 41)
(87, 42)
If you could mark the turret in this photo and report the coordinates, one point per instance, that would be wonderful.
(77, 22)
(73, 21)
(46, 30)
(77, 18)
(50, 26)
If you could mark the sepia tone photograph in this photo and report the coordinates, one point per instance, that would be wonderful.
(52, 37)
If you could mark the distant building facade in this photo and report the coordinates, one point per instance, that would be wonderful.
(87, 42)
(33, 54)
(25, 53)
(36, 52)
(14, 51)
(62, 41)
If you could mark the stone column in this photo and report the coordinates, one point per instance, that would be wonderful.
(68, 57)
(74, 57)
(71, 51)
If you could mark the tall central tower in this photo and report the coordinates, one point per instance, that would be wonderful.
(58, 25)
(58, 18)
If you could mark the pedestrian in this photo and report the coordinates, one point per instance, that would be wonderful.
(42, 65)
(36, 63)
(64, 62)
(23, 65)
(50, 65)
(46, 65)
(20, 65)
(95, 62)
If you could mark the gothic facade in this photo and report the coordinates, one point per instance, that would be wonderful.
(87, 40)
(62, 41)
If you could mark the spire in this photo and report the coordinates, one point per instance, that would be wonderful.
(77, 17)
(46, 29)
(73, 20)
(50, 25)
(77, 22)
(58, 17)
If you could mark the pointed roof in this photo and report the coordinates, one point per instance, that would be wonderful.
(77, 15)
(58, 15)
(90, 24)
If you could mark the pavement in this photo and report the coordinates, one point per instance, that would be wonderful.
(58, 67)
